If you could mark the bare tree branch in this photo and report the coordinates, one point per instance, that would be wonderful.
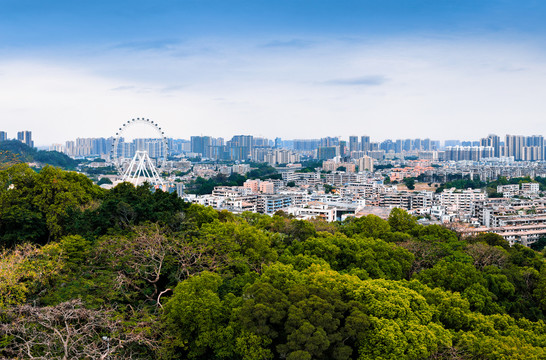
(67, 331)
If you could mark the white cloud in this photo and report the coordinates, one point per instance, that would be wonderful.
(434, 88)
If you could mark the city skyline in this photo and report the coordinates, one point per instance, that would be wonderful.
(287, 69)
(279, 151)
(352, 142)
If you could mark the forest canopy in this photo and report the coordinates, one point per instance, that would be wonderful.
(136, 273)
(23, 153)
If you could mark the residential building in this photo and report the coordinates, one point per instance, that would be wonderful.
(327, 152)
(56, 147)
(353, 143)
(25, 137)
(508, 191)
(365, 163)
(269, 204)
(267, 187)
(241, 169)
(313, 210)
(253, 185)
(460, 201)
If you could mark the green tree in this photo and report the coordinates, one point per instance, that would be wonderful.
(410, 183)
(328, 188)
(368, 226)
(301, 229)
(25, 270)
(125, 206)
(104, 180)
(401, 221)
(492, 240)
(36, 206)
(455, 276)
(372, 257)
(195, 319)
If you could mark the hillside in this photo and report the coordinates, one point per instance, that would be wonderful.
(17, 151)
(131, 273)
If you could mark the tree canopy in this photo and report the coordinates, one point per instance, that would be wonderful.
(136, 273)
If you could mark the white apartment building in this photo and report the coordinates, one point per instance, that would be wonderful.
(460, 201)
(298, 196)
(508, 190)
(56, 147)
(530, 189)
(313, 210)
(295, 176)
(241, 169)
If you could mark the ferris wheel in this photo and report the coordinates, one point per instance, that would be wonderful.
(141, 165)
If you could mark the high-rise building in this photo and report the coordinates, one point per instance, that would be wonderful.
(514, 146)
(242, 141)
(90, 146)
(56, 147)
(219, 152)
(180, 189)
(199, 144)
(398, 146)
(365, 143)
(494, 142)
(387, 146)
(536, 143)
(327, 152)
(260, 142)
(329, 141)
(426, 145)
(527, 148)
(353, 143)
(25, 137)
(417, 144)
(407, 145)
(452, 143)
(240, 147)
(342, 148)
(3, 136)
(306, 144)
(70, 148)
(365, 163)
(473, 153)
(84, 146)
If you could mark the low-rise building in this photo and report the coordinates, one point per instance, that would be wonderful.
(460, 201)
(508, 190)
(269, 204)
(313, 210)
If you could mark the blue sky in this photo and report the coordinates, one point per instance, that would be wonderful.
(443, 69)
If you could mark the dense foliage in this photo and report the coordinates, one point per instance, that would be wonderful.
(202, 186)
(131, 273)
(27, 154)
(262, 171)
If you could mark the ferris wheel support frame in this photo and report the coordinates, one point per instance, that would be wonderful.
(144, 168)
(141, 165)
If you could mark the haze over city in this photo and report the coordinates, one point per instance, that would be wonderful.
(305, 69)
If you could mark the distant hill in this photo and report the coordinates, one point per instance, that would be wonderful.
(25, 153)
